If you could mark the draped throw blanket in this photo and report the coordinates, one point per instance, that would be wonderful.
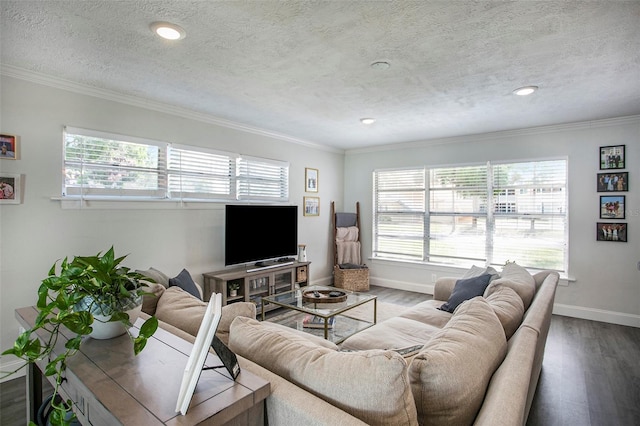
(347, 245)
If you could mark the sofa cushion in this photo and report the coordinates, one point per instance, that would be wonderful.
(347, 380)
(450, 375)
(509, 308)
(466, 289)
(519, 279)
(393, 333)
(427, 312)
(476, 271)
(229, 313)
(150, 301)
(156, 275)
(180, 309)
(185, 282)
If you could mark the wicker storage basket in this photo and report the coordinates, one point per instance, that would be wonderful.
(351, 279)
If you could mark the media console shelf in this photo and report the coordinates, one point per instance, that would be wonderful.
(254, 284)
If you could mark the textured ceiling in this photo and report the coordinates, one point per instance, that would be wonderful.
(302, 68)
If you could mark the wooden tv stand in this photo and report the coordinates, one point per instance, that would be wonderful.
(255, 283)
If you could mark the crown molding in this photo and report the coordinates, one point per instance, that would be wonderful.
(109, 95)
(556, 128)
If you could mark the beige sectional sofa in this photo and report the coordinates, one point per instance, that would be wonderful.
(478, 365)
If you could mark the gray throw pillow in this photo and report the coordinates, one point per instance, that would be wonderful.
(185, 282)
(466, 289)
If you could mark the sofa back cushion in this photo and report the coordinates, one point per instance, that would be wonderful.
(180, 309)
(509, 308)
(519, 279)
(150, 300)
(350, 381)
(450, 375)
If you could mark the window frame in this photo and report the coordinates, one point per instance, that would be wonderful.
(490, 215)
(205, 176)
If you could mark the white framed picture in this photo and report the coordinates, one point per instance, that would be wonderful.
(10, 188)
(310, 180)
(311, 206)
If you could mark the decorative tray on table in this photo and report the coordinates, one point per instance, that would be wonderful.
(324, 296)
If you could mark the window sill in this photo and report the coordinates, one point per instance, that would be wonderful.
(453, 271)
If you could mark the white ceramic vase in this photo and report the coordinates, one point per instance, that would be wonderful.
(103, 329)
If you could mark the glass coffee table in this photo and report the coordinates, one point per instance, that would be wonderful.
(324, 314)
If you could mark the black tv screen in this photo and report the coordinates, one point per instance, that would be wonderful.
(259, 233)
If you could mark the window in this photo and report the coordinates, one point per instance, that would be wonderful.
(261, 179)
(486, 214)
(100, 165)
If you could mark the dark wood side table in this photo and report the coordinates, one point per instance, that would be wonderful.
(111, 386)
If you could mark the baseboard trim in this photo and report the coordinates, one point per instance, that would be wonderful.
(11, 366)
(572, 311)
(597, 315)
(403, 285)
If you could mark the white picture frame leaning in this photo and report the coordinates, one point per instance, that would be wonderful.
(201, 346)
(10, 188)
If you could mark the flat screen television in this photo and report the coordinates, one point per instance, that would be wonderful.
(259, 234)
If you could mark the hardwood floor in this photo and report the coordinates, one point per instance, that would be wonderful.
(590, 375)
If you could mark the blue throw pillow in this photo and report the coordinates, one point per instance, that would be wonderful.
(185, 282)
(466, 289)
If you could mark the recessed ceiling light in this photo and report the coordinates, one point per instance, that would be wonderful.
(380, 65)
(367, 120)
(524, 91)
(168, 30)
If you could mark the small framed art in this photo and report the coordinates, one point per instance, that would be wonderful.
(612, 207)
(10, 188)
(8, 147)
(612, 157)
(310, 180)
(613, 182)
(611, 231)
(311, 206)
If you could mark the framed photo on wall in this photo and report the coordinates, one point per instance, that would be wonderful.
(10, 188)
(613, 182)
(611, 231)
(310, 180)
(311, 206)
(612, 157)
(8, 147)
(612, 207)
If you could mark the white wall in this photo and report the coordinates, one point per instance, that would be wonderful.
(604, 280)
(39, 231)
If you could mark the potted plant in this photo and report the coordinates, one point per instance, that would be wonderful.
(87, 292)
(233, 289)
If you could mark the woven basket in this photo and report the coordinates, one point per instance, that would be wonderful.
(351, 279)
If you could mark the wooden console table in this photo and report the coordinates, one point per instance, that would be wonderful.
(112, 386)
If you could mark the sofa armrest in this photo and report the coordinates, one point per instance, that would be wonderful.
(443, 288)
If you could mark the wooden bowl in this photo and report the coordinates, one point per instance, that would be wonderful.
(324, 296)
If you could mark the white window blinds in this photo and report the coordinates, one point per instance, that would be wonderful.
(530, 213)
(457, 214)
(98, 164)
(200, 173)
(262, 179)
(481, 214)
(399, 215)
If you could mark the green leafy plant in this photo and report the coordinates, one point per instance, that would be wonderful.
(234, 286)
(84, 287)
